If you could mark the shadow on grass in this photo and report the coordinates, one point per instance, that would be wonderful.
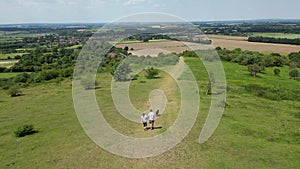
(154, 128)
(18, 95)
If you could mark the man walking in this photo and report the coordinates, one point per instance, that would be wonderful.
(151, 119)
(144, 120)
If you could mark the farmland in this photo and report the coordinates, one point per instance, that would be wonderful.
(277, 35)
(221, 41)
(255, 46)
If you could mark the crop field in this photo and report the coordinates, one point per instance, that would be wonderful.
(254, 132)
(238, 38)
(153, 48)
(278, 35)
(145, 48)
(255, 46)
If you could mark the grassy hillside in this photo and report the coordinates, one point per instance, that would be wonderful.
(254, 132)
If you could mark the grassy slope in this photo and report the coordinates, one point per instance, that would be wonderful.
(253, 133)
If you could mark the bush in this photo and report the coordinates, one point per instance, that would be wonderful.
(24, 130)
(276, 72)
(2, 69)
(273, 93)
(294, 73)
(21, 78)
(151, 73)
(14, 91)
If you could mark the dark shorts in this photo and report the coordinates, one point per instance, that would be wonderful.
(145, 124)
(151, 121)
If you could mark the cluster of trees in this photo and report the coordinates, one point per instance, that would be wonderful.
(36, 77)
(37, 60)
(147, 36)
(257, 62)
(274, 40)
(122, 70)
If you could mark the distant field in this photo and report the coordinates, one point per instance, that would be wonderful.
(7, 63)
(143, 48)
(73, 47)
(278, 35)
(238, 38)
(8, 75)
(152, 48)
(255, 46)
(11, 55)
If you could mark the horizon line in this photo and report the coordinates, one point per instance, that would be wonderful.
(94, 22)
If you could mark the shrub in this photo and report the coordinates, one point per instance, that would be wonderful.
(273, 93)
(24, 130)
(151, 73)
(276, 71)
(14, 91)
(49, 74)
(294, 73)
(21, 78)
(2, 69)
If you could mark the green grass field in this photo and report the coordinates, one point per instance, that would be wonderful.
(8, 75)
(11, 55)
(73, 47)
(278, 35)
(254, 132)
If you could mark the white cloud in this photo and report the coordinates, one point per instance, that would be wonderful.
(132, 2)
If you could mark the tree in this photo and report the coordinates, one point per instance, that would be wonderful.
(254, 69)
(151, 73)
(293, 65)
(126, 48)
(122, 72)
(276, 71)
(294, 73)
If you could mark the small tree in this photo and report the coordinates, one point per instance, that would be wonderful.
(151, 73)
(276, 72)
(294, 73)
(254, 69)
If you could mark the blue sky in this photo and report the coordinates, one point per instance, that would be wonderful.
(70, 11)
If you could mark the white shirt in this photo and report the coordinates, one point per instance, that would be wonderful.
(144, 119)
(151, 116)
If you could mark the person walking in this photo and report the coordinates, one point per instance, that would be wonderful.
(144, 120)
(151, 116)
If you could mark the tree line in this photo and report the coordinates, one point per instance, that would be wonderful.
(274, 40)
